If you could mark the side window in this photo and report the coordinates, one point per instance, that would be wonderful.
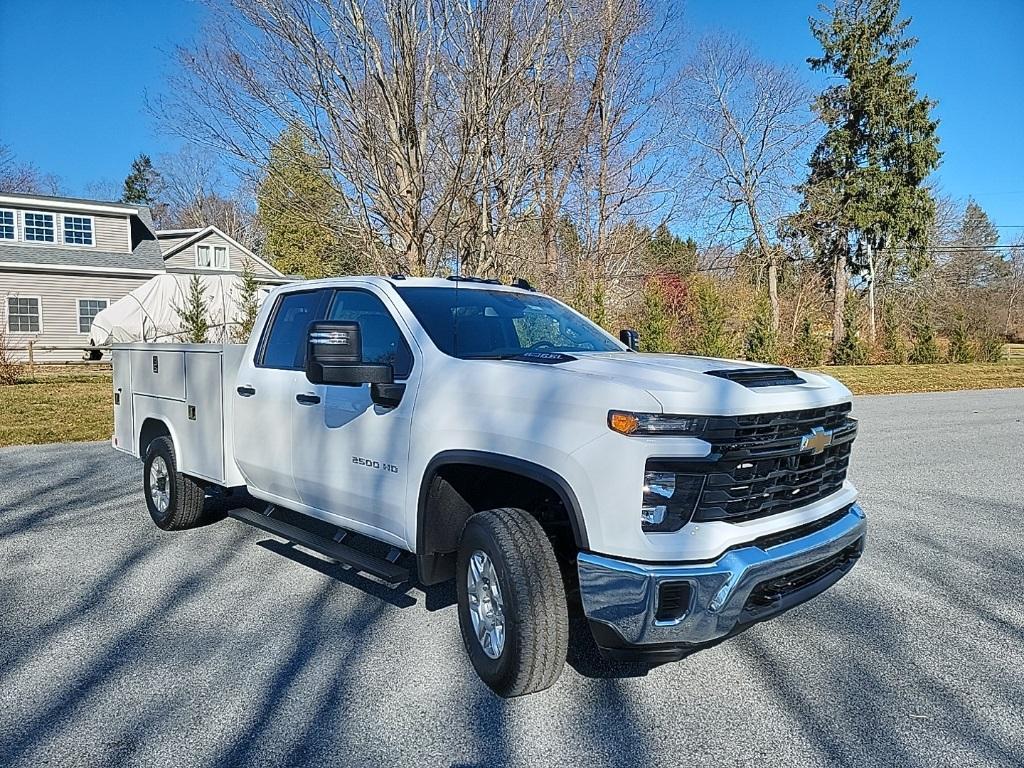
(382, 341)
(285, 344)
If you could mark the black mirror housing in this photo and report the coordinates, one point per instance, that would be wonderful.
(630, 338)
(334, 355)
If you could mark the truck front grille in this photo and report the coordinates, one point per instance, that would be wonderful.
(756, 467)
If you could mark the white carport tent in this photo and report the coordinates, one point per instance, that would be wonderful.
(150, 312)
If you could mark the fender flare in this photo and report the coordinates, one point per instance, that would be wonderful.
(166, 425)
(504, 463)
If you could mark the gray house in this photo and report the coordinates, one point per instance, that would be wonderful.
(62, 260)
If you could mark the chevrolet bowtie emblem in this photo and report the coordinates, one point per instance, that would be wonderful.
(817, 441)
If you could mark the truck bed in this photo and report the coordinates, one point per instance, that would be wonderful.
(188, 387)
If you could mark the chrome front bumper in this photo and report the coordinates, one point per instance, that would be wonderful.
(623, 596)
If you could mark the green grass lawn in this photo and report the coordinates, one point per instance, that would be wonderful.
(898, 379)
(57, 407)
(69, 404)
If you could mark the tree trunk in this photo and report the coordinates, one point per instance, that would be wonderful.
(773, 292)
(871, 297)
(839, 280)
(771, 259)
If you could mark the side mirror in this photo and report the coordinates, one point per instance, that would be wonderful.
(630, 338)
(334, 355)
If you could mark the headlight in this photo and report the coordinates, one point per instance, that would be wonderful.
(627, 423)
(669, 499)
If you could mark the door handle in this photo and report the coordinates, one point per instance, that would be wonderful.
(307, 399)
(246, 391)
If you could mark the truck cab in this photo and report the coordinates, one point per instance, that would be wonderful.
(491, 434)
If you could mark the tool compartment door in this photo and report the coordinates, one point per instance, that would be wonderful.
(158, 373)
(124, 415)
(201, 431)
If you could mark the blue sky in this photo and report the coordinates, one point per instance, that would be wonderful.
(73, 96)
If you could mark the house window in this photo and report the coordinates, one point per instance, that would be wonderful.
(7, 231)
(215, 257)
(87, 311)
(39, 227)
(23, 314)
(78, 230)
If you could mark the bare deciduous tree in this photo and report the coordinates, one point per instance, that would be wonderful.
(749, 125)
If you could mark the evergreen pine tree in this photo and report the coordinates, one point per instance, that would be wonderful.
(892, 340)
(299, 212)
(850, 350)
(248, 304)
(655, 324)
(709, 335)
(809, 348)
(761, 344)
(670, 254)
(140, 185)
(990, 348)
(926, 348)
(960, 348)
(193, 313)
(865, 194)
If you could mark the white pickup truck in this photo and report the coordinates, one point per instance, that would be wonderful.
(490, 434)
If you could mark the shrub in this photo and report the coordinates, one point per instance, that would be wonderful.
(9, 369)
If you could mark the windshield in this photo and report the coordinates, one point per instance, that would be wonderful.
(481, 324)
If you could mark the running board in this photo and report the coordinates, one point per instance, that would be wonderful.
(342, 553)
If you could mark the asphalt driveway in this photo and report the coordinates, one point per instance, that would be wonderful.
(124, 645)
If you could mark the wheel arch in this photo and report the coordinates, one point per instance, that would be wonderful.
(434, 544)
(152, 428)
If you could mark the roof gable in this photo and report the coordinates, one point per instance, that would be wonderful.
(205, 232)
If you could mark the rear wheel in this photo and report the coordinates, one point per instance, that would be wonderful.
(175, 501)
(512, 609)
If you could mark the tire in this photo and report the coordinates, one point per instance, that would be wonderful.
(182, 506)
(534, 619)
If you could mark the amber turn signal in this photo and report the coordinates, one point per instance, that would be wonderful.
(626, 423)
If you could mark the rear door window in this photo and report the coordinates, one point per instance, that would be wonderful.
(284, 345)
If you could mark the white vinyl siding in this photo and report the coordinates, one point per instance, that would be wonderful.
(78, 230)
(8, 225)
(38, 227)
(71, 230)
(59, 294)
(24, 314)
(87, 310)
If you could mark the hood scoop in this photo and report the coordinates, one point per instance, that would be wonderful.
(754, 378)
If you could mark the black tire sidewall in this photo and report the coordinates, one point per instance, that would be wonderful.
(494, 672)
(161, 447)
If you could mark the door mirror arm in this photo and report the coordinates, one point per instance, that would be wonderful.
(387, 395)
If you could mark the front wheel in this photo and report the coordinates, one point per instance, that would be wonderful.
(175, 501)
(512, 609)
